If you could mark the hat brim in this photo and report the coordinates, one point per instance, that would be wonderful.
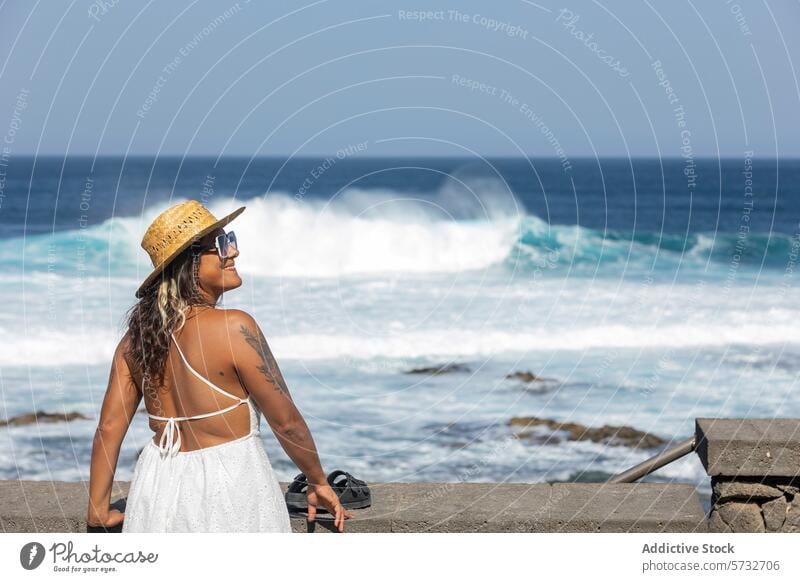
(198, 235)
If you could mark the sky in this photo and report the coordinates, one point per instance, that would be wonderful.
(464, 78)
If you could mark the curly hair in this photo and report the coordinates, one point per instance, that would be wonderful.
(159, 312)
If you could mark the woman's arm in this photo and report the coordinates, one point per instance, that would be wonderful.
(259, 372)
(119, 405)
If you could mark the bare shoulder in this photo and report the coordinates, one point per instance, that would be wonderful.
(224, 329)
(239, 329)
(251, 353)
(233, 320)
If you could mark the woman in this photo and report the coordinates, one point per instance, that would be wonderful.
(206, 375)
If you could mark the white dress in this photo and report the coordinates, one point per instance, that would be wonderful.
(230, 487)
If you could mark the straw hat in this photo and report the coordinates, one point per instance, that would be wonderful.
(174, 230)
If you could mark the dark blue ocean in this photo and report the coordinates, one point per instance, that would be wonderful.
(651, 291)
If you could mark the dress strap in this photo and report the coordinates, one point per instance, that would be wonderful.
(170, 442)
(203, 378)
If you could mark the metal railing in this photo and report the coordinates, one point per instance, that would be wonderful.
(654, 463)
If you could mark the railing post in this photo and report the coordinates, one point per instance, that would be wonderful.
(653, 463)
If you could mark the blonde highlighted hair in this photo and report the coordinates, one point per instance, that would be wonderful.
(159, 312)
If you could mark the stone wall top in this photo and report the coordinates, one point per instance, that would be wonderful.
(43, 506)
(738, 447)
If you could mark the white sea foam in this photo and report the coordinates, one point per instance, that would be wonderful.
(52, 347)
(476, 343)
(285, 238)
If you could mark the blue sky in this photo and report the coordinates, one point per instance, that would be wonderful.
(421, 78)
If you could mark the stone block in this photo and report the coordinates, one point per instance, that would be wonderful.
(725, 490)
(749, 447)
(775, 513)
(742, 517)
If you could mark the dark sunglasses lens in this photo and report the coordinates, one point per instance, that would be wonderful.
(222, 245)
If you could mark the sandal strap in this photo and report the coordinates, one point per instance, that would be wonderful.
(299, 484)
(357, 486)
(333, 475)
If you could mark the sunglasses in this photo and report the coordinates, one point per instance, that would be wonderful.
(222, 244)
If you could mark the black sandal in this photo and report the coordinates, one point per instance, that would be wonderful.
(296, 494)
(353, 493)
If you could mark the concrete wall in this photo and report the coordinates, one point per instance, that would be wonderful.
(37, 506)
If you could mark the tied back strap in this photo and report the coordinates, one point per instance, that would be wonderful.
(169, 444)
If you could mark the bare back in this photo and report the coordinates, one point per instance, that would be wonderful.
(205, 344)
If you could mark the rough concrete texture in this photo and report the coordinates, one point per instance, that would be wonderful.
(41, 506)
(626, 507)
(735, 447)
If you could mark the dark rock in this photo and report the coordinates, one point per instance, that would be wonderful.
(788, 488)
(743, 489)
(716, 524)
(775, 513)
(611, 435)
(742, 517)
(792, 523)
(42, 416)
(540, 437)
(528, 377)
(442, 369)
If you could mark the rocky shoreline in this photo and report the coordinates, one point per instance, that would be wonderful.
(42, 416)
(556, 432)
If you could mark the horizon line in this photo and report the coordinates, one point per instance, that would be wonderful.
(399, 156)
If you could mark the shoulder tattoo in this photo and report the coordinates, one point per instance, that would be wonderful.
(268, 367)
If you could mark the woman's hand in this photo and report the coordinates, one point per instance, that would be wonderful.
(111, 518)
(324, 495)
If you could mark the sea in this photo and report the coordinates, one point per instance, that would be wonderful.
(646, 292)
